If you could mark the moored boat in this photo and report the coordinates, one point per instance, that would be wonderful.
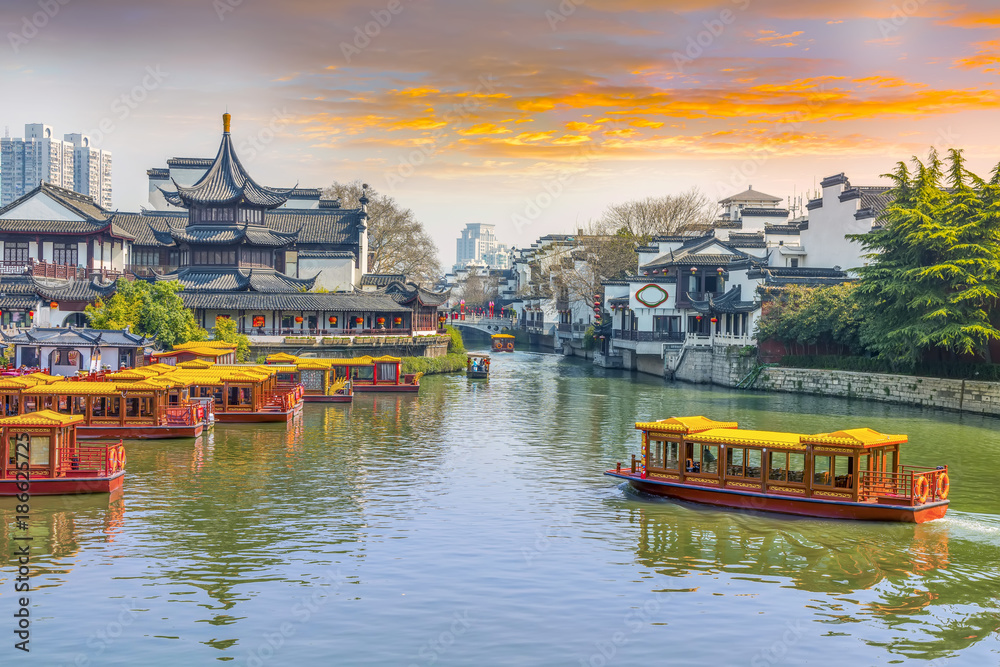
(477, 365)
(503, 342)
(365, 374)
(850, 474)
(41, 456)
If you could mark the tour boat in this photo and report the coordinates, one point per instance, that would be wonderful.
(477, 366)
(503, 343)
(850, 474)
(42, 457)
(378, 374)
(130, 410)
(240, 394)
(318, 378)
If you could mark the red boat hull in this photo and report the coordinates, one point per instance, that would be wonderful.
(254, 417)
(317, 398)
(139, 432)
(812, 507)
(64, 486)
(389, 388)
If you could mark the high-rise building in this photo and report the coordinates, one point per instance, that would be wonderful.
(69, 163)
(478, 244)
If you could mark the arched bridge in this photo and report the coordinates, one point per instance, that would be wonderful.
(486, 325)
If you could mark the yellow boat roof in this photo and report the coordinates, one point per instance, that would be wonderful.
(205, 343)
(195, 363)
(855, 437)
(502, 336)
(684, 425)
(42, 418)
(282, 357)
(734, 436)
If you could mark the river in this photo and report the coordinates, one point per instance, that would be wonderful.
(472, 525)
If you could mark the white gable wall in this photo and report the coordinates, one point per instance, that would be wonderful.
(40, 207)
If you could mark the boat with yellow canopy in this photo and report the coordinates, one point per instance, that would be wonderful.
(848, 474)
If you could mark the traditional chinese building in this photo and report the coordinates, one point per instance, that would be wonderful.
(237, 251)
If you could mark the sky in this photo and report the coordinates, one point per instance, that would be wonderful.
(532, 115)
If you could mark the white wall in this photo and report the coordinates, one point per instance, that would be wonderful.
(334, 274)
(825, 240)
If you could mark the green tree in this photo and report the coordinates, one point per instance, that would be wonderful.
(935, 271)
(225, 330)
(150, 309)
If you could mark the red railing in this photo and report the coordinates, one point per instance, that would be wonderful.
(100, 459)
(904, 485)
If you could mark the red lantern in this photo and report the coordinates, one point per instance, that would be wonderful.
(298, 319)
(398, 321)
(31, 313)
(694, 269)
(358, 320)
(54, 306)
(698, 317)
(714, 320)
(380, 320)
(258, 321)
(333, 319)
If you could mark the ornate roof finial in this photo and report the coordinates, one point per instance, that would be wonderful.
(225, 122)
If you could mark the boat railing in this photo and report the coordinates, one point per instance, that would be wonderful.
(904, 485)
(182, 415)
(98, 459)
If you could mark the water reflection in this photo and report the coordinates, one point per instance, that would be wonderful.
(899, 576)
(59, 528)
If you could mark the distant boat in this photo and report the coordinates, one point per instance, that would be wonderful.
(851, 474)
(503, 343)
(42, 457)
(477, 366)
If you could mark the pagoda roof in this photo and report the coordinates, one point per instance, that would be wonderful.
(227, 234)
(226, 182)
(751, 195)
(42, 418)
(411, 292)
(301, 301)
(74, 337)
(196, 278)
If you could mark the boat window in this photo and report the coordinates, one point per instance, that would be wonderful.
(673, 455)
(114, 406)
(743, 462)
(709, 457)
(837, 471)
(365, 373)
(387, 372)
(787, 467)
(217, 396)
(39, 450)
(656, 454)
(146, 407)
(79, 405)
(131, 407)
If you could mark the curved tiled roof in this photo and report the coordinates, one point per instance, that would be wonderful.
(306, 301)
(72, 290)
(195, 278)
(226, 182)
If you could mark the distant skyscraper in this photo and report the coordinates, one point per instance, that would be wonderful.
(69, 163)
(478, 243)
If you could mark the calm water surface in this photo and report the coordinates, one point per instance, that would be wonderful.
(471, 525)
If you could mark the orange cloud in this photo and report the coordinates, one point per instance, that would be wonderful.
(986, 58)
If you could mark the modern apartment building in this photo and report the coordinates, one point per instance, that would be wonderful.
(70, 163)
(478, 243)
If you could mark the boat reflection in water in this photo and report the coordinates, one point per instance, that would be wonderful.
(856, 573)
(60, 528)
